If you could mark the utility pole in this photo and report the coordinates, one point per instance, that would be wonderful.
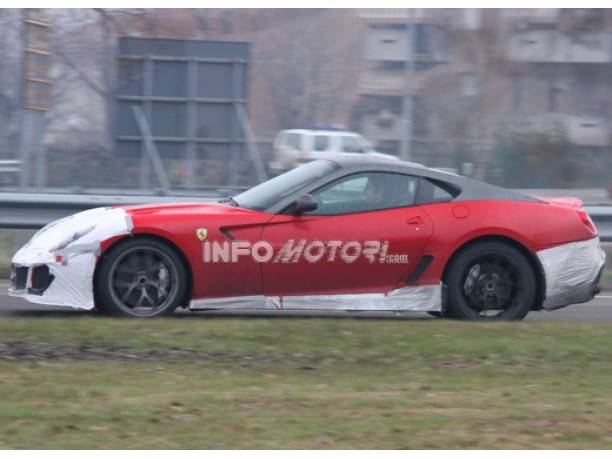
(35, 94)
(406, 145)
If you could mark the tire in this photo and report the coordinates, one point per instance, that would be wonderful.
(140, 278)
(490, 281)
(436, 314)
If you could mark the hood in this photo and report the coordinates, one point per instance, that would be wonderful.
(170, 220)
(204, 208)
(83, 229)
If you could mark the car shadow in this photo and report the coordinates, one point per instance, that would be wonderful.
(218, 314)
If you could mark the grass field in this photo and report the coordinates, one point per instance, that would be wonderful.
(235, 383)
(222, 383)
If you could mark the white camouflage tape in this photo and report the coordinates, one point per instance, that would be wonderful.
(419, 298)
(69, 248)
(571, 271)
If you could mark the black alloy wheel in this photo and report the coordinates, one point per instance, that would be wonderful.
(490, 281)
(140, 278)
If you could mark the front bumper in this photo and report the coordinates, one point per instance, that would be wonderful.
(63, 276)
(572, 272)
(55, 283)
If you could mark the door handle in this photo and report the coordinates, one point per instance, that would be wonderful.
(414, 220)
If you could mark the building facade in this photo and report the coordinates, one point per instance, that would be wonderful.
(478, 74)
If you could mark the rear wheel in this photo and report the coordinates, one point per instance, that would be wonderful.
(140, 278)
(490, 281)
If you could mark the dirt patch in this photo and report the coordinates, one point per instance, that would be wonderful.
(18, 353)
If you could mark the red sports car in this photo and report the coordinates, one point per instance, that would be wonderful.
(351, 234)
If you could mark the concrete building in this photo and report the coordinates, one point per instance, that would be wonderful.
(477, 72)
(387, 44)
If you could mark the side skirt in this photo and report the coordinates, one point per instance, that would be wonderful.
(419, 298)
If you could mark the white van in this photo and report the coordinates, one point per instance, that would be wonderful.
(294, 147)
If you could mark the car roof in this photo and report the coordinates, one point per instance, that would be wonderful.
(365, 162)
(471, 190)
(320, 132)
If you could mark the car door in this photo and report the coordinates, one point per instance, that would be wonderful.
(348, 244)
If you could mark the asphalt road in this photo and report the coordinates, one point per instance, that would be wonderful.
(598, 310)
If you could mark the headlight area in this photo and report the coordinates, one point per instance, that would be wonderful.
(36, 277)
(62, 250)
(33, 280)
(56, 267)
(61, 278)
(72, 238)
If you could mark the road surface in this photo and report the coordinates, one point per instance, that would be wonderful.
(598, 310)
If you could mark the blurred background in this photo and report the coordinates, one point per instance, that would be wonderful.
(193, 98)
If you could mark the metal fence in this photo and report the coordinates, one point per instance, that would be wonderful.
(184, 101)
(32, 211)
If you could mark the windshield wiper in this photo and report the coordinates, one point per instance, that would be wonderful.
(229, 200)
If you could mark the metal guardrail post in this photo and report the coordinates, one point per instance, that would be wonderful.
(151, 148)
(258, 164)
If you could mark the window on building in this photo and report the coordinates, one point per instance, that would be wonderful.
(469, 85)
(604, 107)
(424, 38)
(517, 92)
(421, 118)
(471, 18)
(554, 96)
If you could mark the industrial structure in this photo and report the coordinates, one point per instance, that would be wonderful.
(184, 100)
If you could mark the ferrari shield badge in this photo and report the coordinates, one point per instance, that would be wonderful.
(202, 233)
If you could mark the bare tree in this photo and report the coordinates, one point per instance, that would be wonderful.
(305, 66)
(10, 74)
(304, 69)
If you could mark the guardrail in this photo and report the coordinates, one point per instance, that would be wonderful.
(32, 211)
(10, 165)
(602, 217)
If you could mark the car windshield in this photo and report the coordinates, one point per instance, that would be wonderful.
(268, 193)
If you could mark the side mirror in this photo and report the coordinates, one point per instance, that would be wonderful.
(305, 203)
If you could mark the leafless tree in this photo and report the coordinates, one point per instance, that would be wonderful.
(10, 73)
(305, 66)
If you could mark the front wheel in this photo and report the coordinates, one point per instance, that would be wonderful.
(490, 281)
(140, 278)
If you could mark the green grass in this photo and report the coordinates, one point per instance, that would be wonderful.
(224, 383)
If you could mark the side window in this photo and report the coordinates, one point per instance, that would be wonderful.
(351, 145)
(321, 142)
(281, 140)
(293, 141)
(366, 192)
(434, 191)
(441, 194)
